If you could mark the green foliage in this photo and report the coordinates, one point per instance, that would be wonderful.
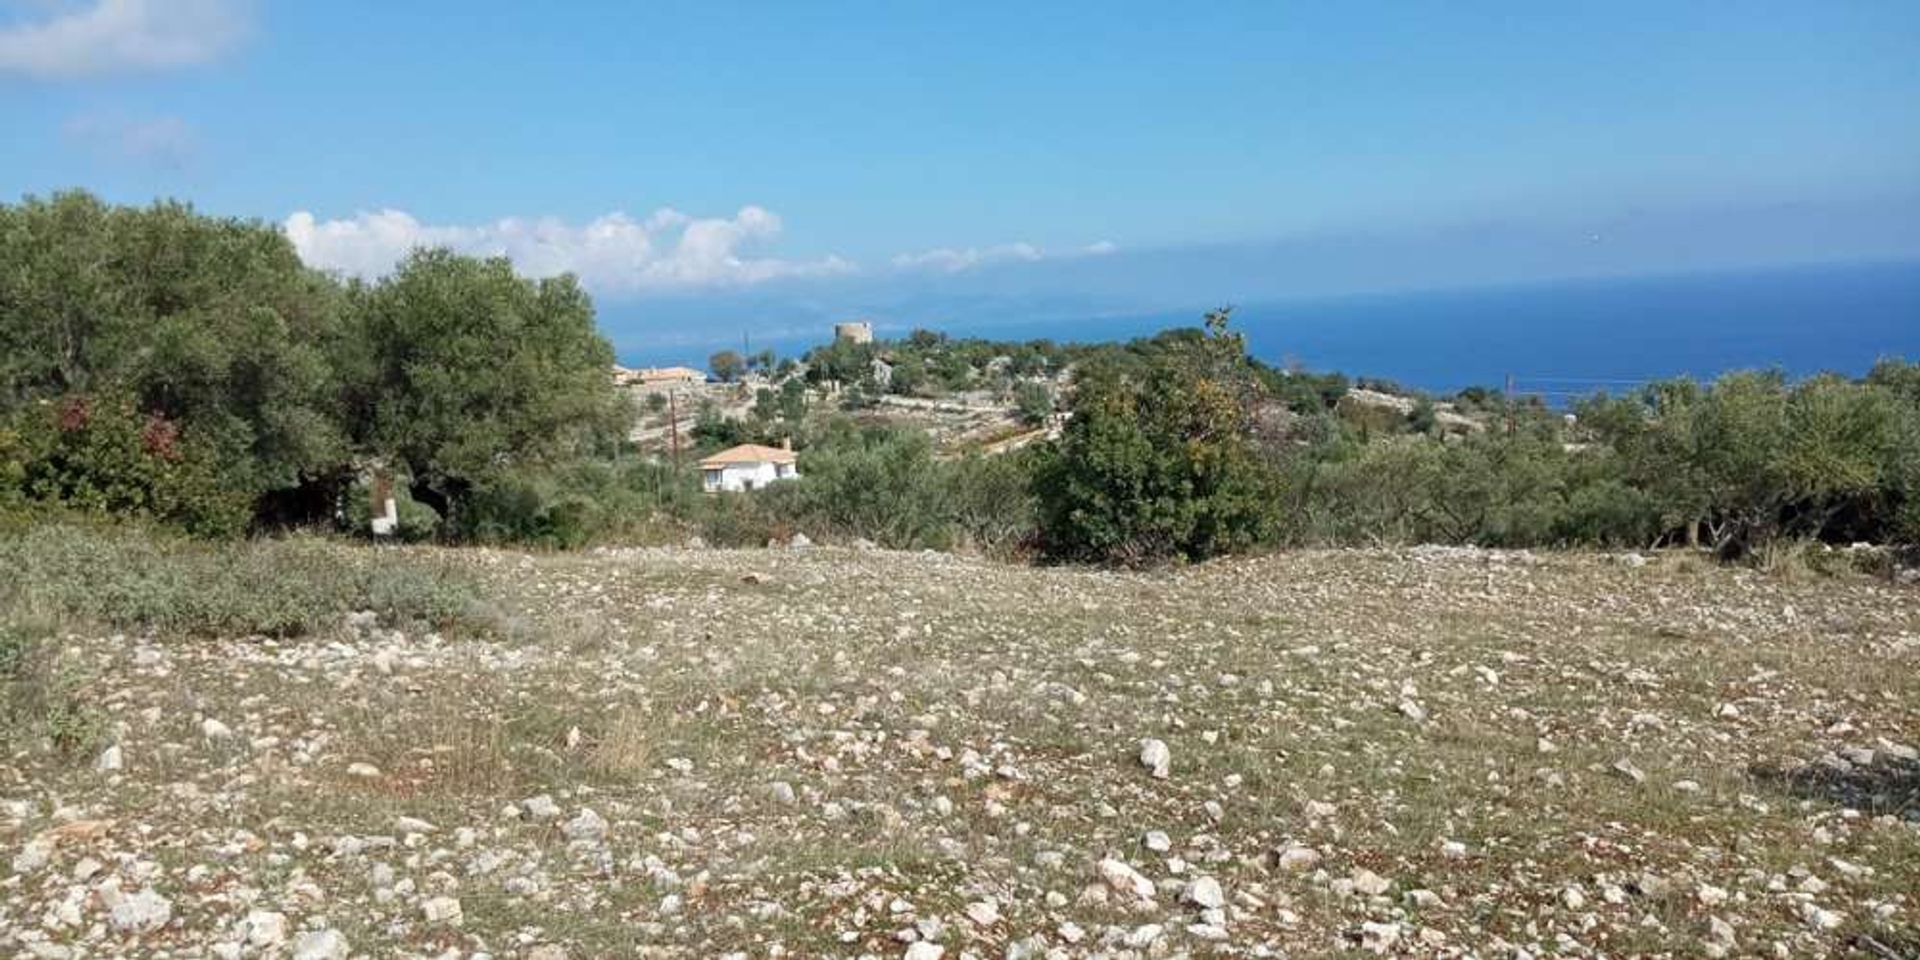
(1423, 418)
(163, 364)
(1302, 392)
(713, 430)
(991, 503)
(1033, 401)
(873, 482)
(727, 365)
(1754, 458)
(581, 503)
(462, 371)
(129, 578)
(44, 698)
(418, 522)
(99, 454)
(211, 326)
(1158, 461)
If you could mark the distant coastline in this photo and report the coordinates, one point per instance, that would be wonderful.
(1571, 333)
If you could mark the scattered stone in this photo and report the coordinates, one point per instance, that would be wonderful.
(587, 826)
(1125, 880)
(325, 944)
(1205, 893)
(441, 910)
(985, 913)
(264, 929)
(1296, 859)
(110, 760)
(1423, 899)
(1379, 937)
(1370, 884)
(541, 807)
(1157, 841)
(1155, 756)
(1721, 932)
(143, 911)
(1820, 918)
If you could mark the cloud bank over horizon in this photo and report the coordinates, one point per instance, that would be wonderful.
(617, 255)
(614, 254)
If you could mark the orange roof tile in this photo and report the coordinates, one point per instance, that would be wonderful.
(750, 453)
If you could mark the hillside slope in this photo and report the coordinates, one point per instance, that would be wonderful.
(835, 753)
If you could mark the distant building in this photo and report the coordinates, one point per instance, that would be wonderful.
(653, 379)
(857, 331)
(749, 466)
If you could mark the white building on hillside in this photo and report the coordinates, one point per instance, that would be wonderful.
(749, 466)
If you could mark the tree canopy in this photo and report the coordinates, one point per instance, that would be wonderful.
(208, 338)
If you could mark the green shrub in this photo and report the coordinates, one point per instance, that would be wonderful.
(579, 504)
(875, 482)
(1158, 459)
(1034, 401)
(128, 578)
(99, 454)
(418, 522)
(43, 698)
(742, 520)
(990, 500)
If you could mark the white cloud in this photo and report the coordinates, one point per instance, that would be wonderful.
(954, 261)
(612, 254)
(115, 36)
(951, 260)
(166, 140)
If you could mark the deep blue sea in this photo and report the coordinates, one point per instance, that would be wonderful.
(1556, 339)
(1573, 336)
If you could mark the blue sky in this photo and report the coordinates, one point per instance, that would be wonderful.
(780, 160)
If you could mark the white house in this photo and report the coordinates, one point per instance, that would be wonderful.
(749, 466)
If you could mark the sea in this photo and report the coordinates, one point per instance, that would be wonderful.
(1559, 339)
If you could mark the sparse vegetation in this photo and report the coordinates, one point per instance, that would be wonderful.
(128, 578)
(1500, 749)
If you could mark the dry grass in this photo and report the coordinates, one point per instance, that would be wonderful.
(954, 730)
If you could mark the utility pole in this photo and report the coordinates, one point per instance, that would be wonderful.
(1510, 401)
(673, 425)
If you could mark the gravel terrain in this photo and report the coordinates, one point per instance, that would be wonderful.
(827, 752)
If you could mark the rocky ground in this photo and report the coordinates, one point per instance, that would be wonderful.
(838, 753)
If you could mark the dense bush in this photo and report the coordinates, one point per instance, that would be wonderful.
(1754, 458)
(1157, 460)
(190, 369)
(581, 503)
(208, 327)
(99, 453)
(872, 482)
